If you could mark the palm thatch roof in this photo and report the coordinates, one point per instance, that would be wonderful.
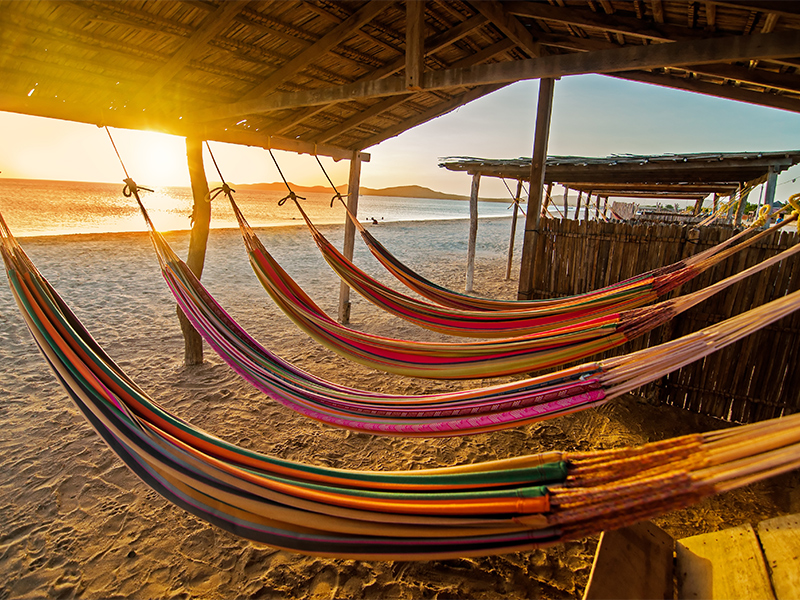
(337, 76)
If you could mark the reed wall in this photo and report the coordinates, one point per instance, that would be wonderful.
(755, 379)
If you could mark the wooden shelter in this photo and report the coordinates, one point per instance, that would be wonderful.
(335, 77)
(656, 177)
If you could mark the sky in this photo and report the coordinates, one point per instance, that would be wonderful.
(592, 115)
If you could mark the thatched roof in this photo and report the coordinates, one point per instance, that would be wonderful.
(676, 176)
(338, 76)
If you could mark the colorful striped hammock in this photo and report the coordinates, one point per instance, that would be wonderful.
(470, 510)
(440, 414)
(635, 291)
(467, 360)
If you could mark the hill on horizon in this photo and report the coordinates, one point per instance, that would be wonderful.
(402, 191)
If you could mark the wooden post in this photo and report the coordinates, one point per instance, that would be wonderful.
(605, 207)
(547, 199)
(353, 184)
(578, 206)
(742, 204)
(473, 229)
(586, 208)
(698, 206)
(769, 193)
(715, 203)
(538, 161)
(566, 203)
(201, 219)
(513, 229)
(597, 207)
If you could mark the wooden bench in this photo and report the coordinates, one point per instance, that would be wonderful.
(643, 561)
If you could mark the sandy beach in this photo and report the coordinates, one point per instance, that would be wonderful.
(75, 523)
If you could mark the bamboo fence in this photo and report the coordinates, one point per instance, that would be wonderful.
(755, 379)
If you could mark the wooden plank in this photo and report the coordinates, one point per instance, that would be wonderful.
(632, 562)
(780, 539)
(722, 564)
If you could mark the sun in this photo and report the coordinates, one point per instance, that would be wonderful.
(158, 159)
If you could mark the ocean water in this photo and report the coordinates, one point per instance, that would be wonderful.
(38, 207)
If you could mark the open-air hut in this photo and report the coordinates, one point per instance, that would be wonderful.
(336, 77)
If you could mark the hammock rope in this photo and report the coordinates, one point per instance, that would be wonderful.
(488, 358)
(494, 507)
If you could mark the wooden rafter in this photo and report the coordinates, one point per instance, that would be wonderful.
(432, 45)
(391, 103)
(54, 109)
(509, 25)
(615, 23)
(728, 92)
(769, 45)
(437, 111)
(415, 43)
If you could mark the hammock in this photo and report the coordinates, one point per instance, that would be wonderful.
(490, 358)
(439, 414)
(541, 315)
(471, 510)
(638, 286)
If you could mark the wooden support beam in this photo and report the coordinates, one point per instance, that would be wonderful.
(212, 25)
(394, 101)
(566, 202)
(201, 219)
(517, 197)
(436, 111)
(473, 230)
(619, 60)
(121, 119)
(769, 191)
(509, 25)
(578, 206)
(353, 187)
(415, 43)
(587, 19)
(711, 89)
(740, 208)
(333, 38)
(533, 216)
(586, 208)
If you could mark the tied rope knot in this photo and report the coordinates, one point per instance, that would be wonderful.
(763, 214)
(794, 202)
(223, 189)
(131, 189)
(337, 196)
(290, 196)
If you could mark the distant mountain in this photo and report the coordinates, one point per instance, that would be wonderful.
(404, 191)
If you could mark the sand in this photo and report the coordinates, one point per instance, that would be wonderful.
(74, 522)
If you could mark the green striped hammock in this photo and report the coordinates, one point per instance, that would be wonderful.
(557, 345)
(469, 510)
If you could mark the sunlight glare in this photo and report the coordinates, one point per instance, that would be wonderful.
(157, 160)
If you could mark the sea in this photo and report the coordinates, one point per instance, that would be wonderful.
(54, 208)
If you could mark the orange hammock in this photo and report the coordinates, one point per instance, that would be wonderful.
(558, 345)
(546, 314)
